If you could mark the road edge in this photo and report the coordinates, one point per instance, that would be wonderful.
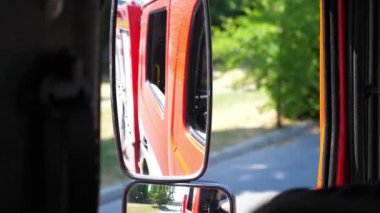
(267, 139)
(114, 192)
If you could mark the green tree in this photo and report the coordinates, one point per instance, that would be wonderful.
(161, 195)
(298, 59)
(277, 41)
(221, 9)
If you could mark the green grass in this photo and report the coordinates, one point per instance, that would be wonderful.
(241, 109)
(239, 113)
(106, 126)
(138, 208)
(239, 116)
(109, 164)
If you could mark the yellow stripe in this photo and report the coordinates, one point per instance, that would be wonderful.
(124, 24)
(182, 161)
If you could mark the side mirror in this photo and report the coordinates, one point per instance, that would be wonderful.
(161, 79)
(204, 197)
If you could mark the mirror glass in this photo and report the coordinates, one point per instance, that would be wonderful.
(143, 197)
(161, 83)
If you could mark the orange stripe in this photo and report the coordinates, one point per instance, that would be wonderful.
(321, 97)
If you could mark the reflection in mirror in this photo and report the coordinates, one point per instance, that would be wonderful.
(161, 88)
(143, 197)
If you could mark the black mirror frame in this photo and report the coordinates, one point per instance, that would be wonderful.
(163, 179)
(200, 184)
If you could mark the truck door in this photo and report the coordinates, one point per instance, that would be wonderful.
(153, 87)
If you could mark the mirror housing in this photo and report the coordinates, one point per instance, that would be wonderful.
(185, 197)
(161, 88)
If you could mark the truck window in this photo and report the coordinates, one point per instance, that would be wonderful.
(197, 97)
(156, 51)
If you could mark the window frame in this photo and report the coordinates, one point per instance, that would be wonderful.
(156, 91)
(201, 137)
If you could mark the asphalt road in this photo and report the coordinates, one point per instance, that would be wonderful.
(257, 176)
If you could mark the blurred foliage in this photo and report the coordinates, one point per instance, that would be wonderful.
(138, 194)
(221, 9)
(161, 195)
(278, 42)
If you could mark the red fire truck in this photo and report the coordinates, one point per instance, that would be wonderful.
(162, 87)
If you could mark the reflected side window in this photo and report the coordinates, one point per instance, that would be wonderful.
(190, 199)
(197, 98)
(156, 53)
